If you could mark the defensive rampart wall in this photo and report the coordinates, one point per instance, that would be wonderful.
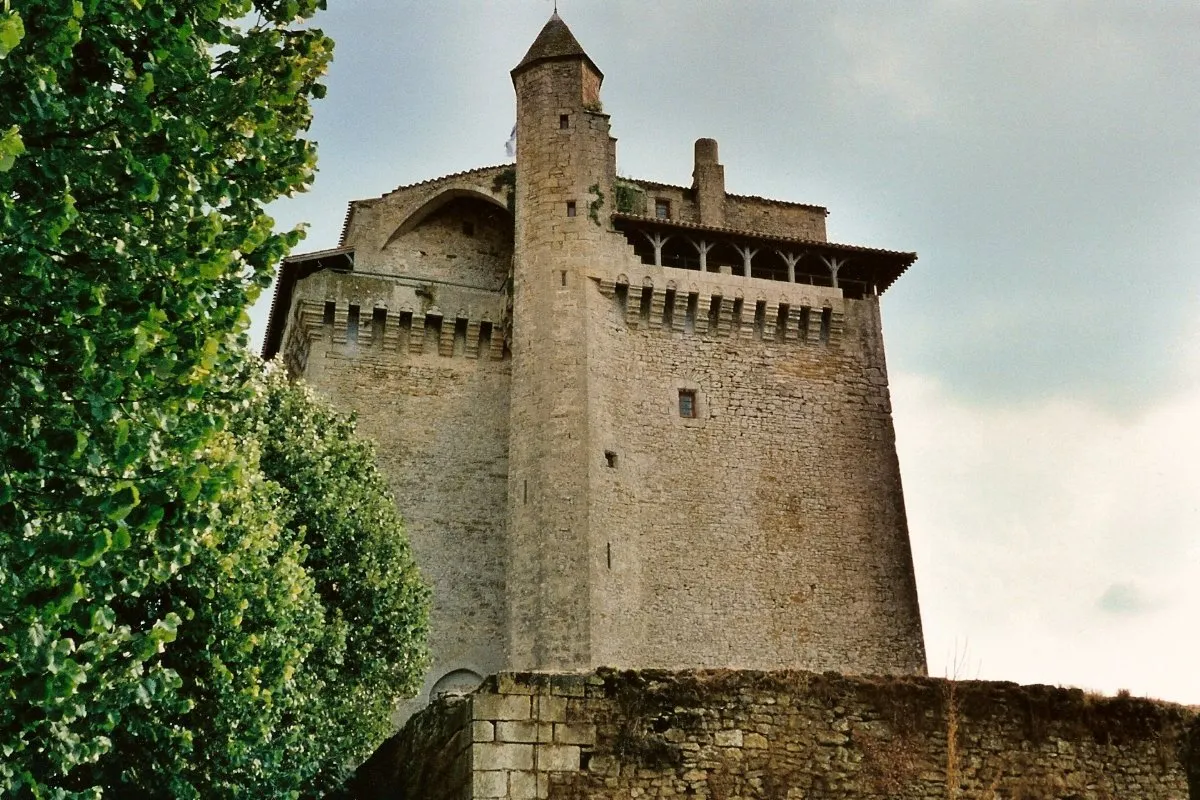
(786, 736)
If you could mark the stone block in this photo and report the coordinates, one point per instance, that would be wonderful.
(574, 733)
(497, 755)
(755, 741)
(501, 706)
(557, 758)
(489, 784)
(731, 738)
(550, 709)
(482, 731)
(527, 786)
(523, 731)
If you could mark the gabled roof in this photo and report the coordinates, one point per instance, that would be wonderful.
(554, 43)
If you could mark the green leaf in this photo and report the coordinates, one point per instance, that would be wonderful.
(11, 146)
(12, 30)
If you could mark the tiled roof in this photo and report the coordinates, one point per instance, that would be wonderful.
(675, 223)
(871, 265)
(658, 185)
(554, 42)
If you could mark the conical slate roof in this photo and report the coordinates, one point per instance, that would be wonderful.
(554, 42)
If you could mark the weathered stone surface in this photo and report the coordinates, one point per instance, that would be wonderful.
(824, 736)
(520, 362)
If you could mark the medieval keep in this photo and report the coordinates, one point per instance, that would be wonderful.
(628, 423)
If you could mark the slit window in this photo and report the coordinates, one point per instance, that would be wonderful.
(570, 208)
(781, 322)
(662, 208)
(687, 403)
(714, 312)
(485, 336)
(563, 276)
(460, 336)
(564, 121)
(378, 323)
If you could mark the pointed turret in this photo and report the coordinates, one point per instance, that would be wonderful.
(555, 43)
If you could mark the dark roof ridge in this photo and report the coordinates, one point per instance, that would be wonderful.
(773, 201)
(761, 235)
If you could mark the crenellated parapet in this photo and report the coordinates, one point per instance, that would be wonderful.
(352, 328)
(683, 303)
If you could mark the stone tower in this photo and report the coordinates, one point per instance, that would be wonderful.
(629, 423)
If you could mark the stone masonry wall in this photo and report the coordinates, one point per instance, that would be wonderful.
(768, 532)
(726, 735)
(431, 388)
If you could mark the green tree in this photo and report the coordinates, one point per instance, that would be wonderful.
(159, 632)
(339, 506)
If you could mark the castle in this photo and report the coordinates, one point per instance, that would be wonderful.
(628, 423)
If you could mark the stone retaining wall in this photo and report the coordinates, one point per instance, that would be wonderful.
(734, 735)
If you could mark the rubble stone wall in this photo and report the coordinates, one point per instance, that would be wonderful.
(799, 736)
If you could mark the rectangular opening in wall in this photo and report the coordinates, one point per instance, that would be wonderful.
(662, 208)
(564, 121)
(622, 295)
(669, 308)
(687, 403)
(714, 312)
(403, 330)
(562, 275)
(485, 339)
(738, 305)
(781, 322)
(689, 319)
(327, 314)
(570, 208)
(460, 336)
(826, 323)
(760, 318)
(805, 315)
(433, 334)
(644, 306)
(378, 325)
(610, 458)
(608, 556)
(524, 491)
(352, 325)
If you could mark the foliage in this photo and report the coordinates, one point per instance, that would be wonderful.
(629, 197)
(159, 632)
(339, 505)
(596, 204)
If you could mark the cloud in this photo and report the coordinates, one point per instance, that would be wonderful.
(1061, 541)
(1125, 598)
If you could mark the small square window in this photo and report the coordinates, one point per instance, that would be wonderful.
(610, 458)
(570, 208)
(564, 121)
(687, 403)
(662, 208)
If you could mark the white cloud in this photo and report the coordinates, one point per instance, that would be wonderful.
(1053, 541)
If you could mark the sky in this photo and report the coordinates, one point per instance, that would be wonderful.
(1043, 159)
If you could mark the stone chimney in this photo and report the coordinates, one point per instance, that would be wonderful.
(708, 182)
